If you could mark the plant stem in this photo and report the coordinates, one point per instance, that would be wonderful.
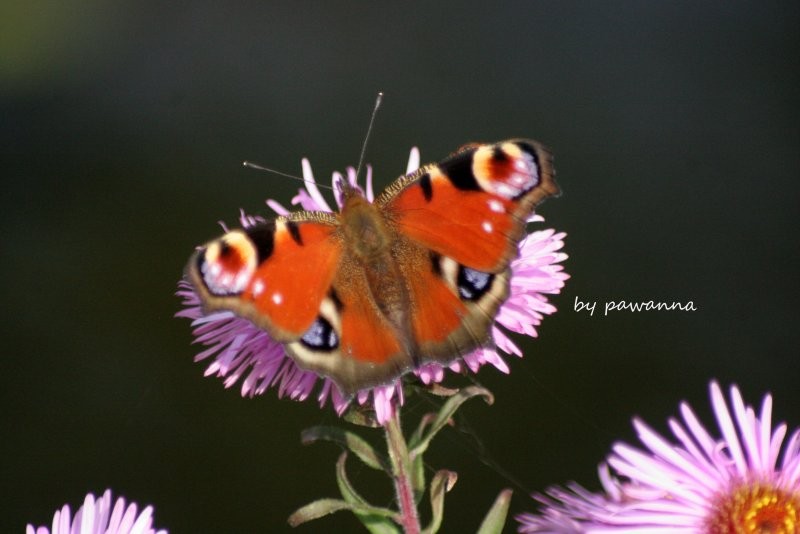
(401, 472)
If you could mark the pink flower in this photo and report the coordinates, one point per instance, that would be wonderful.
(97, 517)
(239, 350)
(740, 482)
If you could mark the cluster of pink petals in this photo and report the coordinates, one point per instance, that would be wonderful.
(96, 516)
(684, 487)
(237, 349)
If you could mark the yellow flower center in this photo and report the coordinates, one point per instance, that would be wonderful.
(756, 508)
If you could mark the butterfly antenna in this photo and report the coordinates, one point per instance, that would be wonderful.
(369, 131)
(251, 165)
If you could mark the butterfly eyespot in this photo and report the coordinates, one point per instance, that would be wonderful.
(508, 170)
(321, 336)
(472, 284)
(227, 265)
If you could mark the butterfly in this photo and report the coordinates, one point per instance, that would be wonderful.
(364, 295)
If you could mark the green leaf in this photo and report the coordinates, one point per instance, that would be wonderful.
(361, 416)
(377, 520)
(379, 526)
(424, 422)
(445, 413)
(323, 507)
(496, 518)
(440, 391)
(418, 477)
(349, 440)
(347, 490)
(317, 509)
(442, 482)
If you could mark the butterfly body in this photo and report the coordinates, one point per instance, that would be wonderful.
(366, 294)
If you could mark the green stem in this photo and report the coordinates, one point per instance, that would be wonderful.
(401, 472)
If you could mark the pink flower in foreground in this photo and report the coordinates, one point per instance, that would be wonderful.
(96, 516)
(741, 482)
(237, 348)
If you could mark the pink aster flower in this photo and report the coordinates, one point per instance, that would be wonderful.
(96, 516)
(745, 481)
(237, 349)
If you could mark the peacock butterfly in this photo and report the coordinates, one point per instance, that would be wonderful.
(365, 295)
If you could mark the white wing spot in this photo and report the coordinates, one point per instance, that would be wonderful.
(496, 206)
(258, 288)
(277, 298)
(487, 227)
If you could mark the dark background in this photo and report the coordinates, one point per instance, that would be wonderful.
(675, 129)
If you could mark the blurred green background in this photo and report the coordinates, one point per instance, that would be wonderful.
(675, 130)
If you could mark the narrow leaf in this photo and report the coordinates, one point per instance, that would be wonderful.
(376, 520)
(323, 507)
(441, 391)
(424, 421)
(349, 440)
(446, 412)
(442, 482)
(317, 509)
(496, 518)
(347, 490)
(358, 415)
(418, 477)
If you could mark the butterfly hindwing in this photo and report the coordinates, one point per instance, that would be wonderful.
(363, 347)
(452, 306)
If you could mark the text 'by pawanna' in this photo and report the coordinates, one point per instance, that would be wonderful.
(631, 306)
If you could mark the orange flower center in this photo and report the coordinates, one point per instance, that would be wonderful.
(756, 508)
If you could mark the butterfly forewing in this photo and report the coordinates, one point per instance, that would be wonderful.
(473, 206)
(275, 288)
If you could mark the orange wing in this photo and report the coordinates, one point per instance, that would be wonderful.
(473, 206)
(452, 306)
(275, 274)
